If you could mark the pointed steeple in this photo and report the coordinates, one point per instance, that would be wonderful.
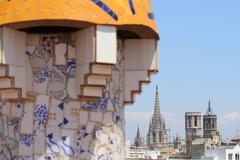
(209, 110)
(138, 139)
(138, 133)
(157, 114)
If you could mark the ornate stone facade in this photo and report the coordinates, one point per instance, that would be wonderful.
(157, 136)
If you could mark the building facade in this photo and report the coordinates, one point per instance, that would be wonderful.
(193, 129)
(210, 128)
(67, 69)
(157, 136)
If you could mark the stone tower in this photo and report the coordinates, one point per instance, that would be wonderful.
(67, 69)
(210, 124)
(157, 136)
(193, 129)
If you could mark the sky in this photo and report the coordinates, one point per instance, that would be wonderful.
(199, 59)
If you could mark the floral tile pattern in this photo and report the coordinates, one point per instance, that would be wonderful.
(63, 126)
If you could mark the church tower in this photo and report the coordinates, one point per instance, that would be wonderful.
(138, 139)
(157, 134)
(193, 129)
(210, 124)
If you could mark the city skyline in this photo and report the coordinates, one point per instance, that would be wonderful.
(198, 57)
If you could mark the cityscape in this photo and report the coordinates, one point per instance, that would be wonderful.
(119, 80)
(202, 139)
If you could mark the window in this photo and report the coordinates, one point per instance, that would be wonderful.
(230, 156)
(236, 156)
(195, 121)
(190, 122)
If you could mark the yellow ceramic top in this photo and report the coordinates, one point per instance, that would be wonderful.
(135, 13)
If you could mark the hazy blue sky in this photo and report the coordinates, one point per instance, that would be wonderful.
(199, 58)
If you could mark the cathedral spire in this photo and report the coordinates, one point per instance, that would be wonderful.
(138, 140)
(157, 115)
(209, 110)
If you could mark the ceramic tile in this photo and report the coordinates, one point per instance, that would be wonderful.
(68, 142)
(107, 119)
(70, 122)
(96, 116)
(39, 142)
(71, 52)
(53, 136)
(72, 109)
(41, 110)
(90, 127)
(55, 115)
(17, 109)
(26, 145)
(71, 88)
(83, 117)
(27, 120)
(86, 143)
(60, 51)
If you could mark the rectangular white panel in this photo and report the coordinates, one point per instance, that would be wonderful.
(14, 47)
(141, 54)
(106, 44)
(85, 49)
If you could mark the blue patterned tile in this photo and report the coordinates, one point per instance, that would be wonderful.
(41, 114)
(26, 139)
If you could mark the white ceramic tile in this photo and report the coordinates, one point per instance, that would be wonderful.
(42, 99)
(54, 102)
(27, 120)
(68, 142)
(55, 116)
(53, 136)
(12, 132)
(39, 142)
(71, 88)
(86, 155)
(90, 127)
(71, 52)
(96, 116)
(86, 143)
(72, 123)
(71, 107)
(17, 109)
(40, 88)
(108, 119)
(60, 51)
(83, 117)
(26, 148)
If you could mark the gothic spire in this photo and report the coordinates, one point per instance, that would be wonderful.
(138, 133)
(209, 110)
(157, 115)
(138, 140)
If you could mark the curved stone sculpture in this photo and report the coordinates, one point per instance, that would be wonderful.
(67, 69)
